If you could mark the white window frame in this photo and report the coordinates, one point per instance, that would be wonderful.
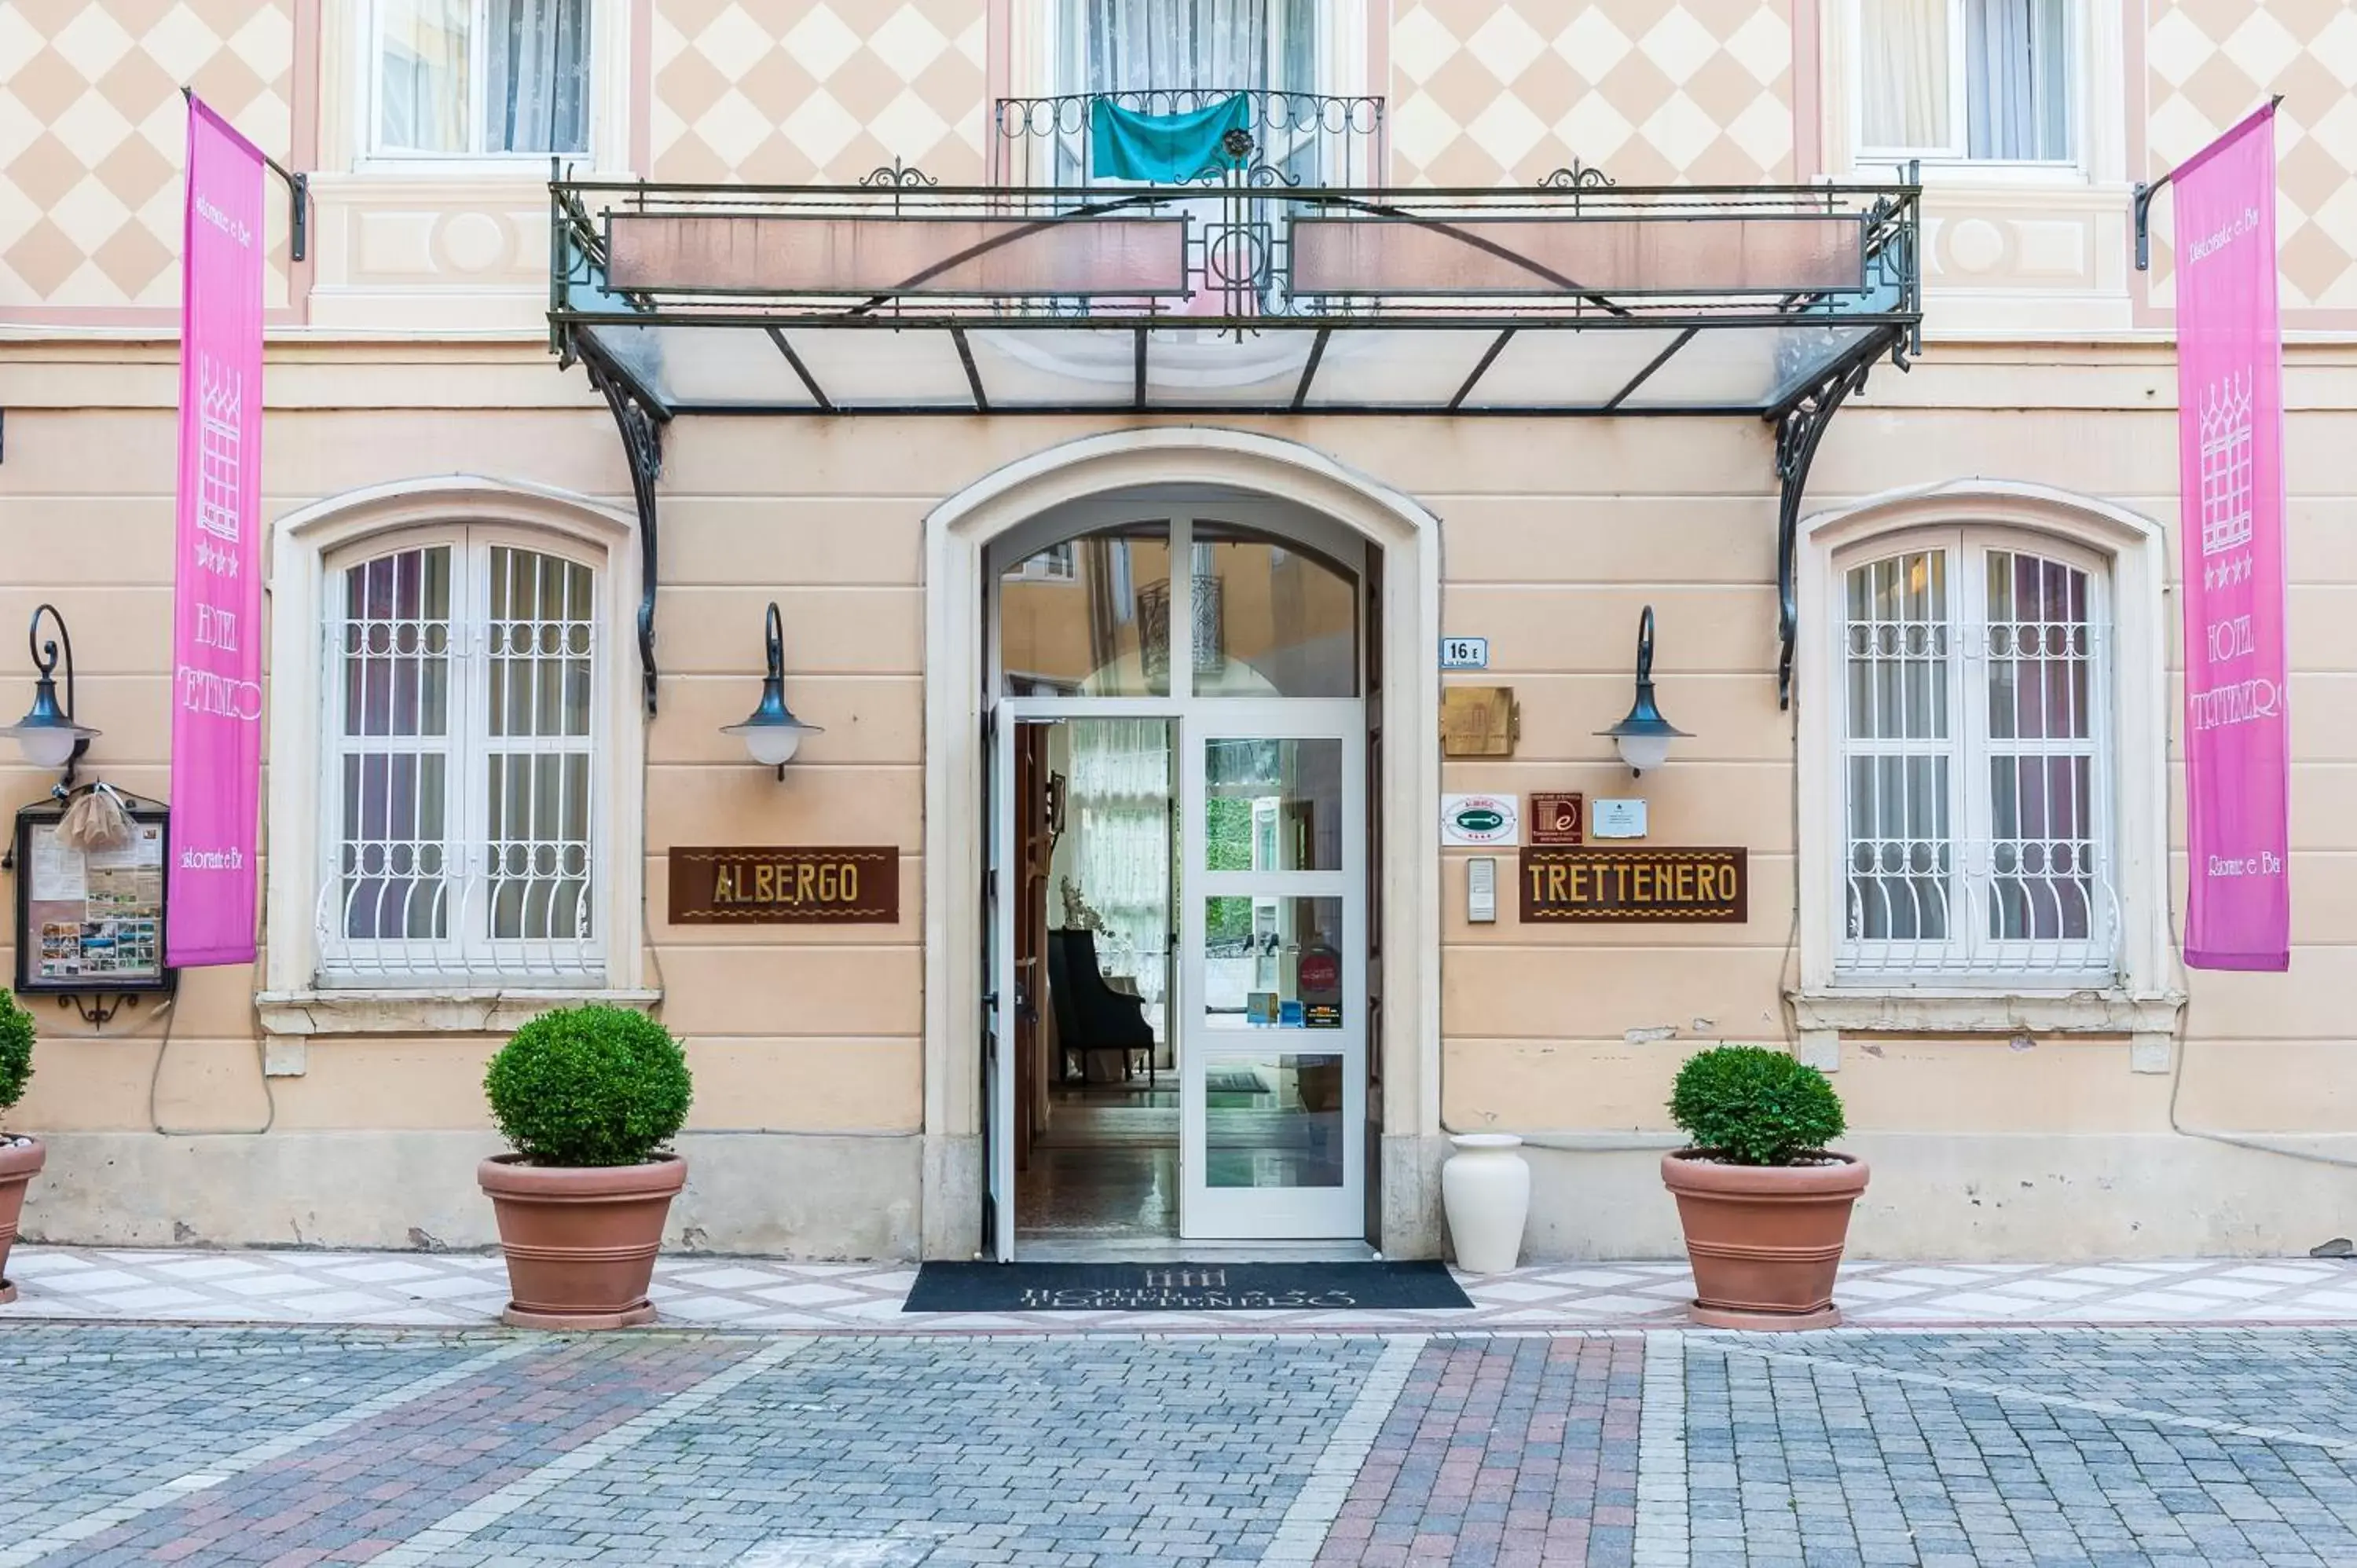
(467, 951)
(310, 549)
(1954, 161)
(605, 149)
(2142, 996)
(1968, 954)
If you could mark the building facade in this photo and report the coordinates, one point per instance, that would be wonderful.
(503, 642)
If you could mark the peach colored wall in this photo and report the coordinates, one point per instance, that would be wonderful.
(1556, 535)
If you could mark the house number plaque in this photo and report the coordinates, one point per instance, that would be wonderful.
(1616, 882)
(765, 885)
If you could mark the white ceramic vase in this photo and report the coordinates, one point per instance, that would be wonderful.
(1486, 1189)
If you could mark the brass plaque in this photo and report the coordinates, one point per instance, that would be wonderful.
(1560, 818)
(765, 884)
(1479, 721)
(1616, 882)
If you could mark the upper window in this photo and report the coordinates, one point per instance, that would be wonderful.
(1975, 762)
(480, 78)
(1967, 80)
(458, 814)
(1164, 46)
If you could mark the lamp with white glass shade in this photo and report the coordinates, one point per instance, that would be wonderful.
(1644, 736)
(771, 732)
(47, 735)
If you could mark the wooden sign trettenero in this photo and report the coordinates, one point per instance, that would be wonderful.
(1600, 883)
(762, 885)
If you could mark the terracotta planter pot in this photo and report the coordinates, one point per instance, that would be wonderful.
(1765, 1240)
(580, 1242)
(17, 1168)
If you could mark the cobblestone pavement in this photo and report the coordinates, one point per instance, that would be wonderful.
(2002, 1447)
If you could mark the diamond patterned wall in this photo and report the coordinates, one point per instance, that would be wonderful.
(781, 91)
(92, 132)
(2210, 62)
(1688, 91)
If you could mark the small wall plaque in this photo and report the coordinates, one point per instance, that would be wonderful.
(1479, 721)
(768, 885)
(1598, 884)
(1559, 818)
(1617, 820)
(1480, 820)
(1465, 654)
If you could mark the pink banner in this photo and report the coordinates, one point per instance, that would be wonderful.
(217, 596)
(2230, 456)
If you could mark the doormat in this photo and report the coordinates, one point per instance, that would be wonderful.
(1184, 1287)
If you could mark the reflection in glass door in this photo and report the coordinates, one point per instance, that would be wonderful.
(1273, 949)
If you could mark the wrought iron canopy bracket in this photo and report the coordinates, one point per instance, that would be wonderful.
(1799, 428)
(640, 422)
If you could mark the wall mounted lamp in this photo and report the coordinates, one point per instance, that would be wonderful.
(48, 735)
(771, 732)
(1644, 736)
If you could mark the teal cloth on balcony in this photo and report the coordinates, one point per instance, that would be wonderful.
(1166, 149)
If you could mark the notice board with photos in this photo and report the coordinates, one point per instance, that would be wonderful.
(90, 920)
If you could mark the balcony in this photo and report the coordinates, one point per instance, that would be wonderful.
(1305, 140)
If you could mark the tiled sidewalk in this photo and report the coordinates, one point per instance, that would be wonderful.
(447, 1290)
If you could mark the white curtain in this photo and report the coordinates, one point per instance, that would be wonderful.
(2017, 76)
(1118, 806)
(1134, 45)
(422, 75)
(1903, 73)
(538, 62)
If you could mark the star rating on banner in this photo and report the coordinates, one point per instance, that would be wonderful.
(214, 559)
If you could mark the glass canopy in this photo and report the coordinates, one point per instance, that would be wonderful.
(909, 298)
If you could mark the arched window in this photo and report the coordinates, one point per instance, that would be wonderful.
(1976, 774)
(456, 760)
(1983, 789)
(459, 804)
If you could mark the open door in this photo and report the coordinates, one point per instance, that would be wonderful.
(1001, 1003)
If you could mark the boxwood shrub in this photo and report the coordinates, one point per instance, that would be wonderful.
(591, 1085)
(15, 1051)
(1751, 1106)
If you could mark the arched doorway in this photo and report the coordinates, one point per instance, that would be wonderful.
(1179, 893)
(1280, 854)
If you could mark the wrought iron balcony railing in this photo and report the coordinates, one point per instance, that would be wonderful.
(1305, 140)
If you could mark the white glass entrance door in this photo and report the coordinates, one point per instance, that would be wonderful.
(1272, 993)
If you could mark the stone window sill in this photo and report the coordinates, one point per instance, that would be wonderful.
(303, 1015)
(2148, 1020)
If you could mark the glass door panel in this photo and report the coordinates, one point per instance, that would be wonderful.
(1272, 1018)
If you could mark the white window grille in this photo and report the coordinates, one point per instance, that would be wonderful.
(462, 704)
(1976, 766)
(1992, 81)
(479, 77)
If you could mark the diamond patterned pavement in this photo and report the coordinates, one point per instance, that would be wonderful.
(93, 133)
(1693, 91)
(2210, 62)
(802, 90)
(452, 1290)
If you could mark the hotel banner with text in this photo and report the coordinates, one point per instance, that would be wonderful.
(2230, 452)
(217, 576)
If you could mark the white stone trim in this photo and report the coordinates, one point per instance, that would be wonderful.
(301, 545)
(2147, 999)
(956, 534)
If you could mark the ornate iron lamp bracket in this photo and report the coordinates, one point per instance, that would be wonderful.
(640, 424)
(1798, 429)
